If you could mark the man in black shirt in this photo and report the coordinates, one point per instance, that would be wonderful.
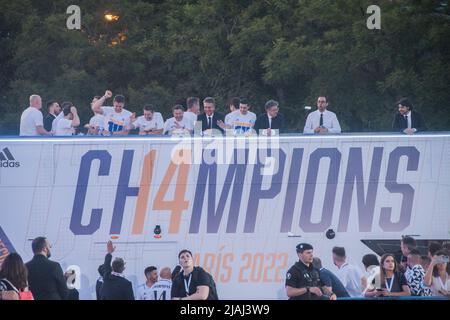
(53, 109)
(193, 283)
(302, 279)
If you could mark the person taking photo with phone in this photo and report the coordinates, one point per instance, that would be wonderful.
(437, 275)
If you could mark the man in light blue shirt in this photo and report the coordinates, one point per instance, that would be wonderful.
(322, 121)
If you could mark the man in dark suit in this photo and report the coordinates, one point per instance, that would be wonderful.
(407, 120)
(45, 278)
(271, 120)
(115, 286)
(210, 117)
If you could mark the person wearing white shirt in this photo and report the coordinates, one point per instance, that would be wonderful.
(322, 121)
(178, 125)
(96, 123)
(350, 275)
(437, 276)
(32, 120)
(66, 126)
(117, 119)
(240, 121)
(150, 123)
(193, 109)
(144, 291)
(161, 289)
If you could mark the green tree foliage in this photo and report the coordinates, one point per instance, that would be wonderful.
(161, 52)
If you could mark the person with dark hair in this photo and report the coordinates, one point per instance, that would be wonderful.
(446, 246)
(303, 279)
(45, 277)
(322, 121)
(433, 247)
(99, 282)
(13, 278)
(176, 271)
(53, 109)
(178, 124)
(437, 276)
(233, 104)
(407, 243)
(271, 122)
(115, 286)
(333, 287)
(193, 283)
(425, 262)
(372, 277)
(151, 122)
(350, 275)
(407, 120)
(415, 275)
(209, 118)
(192, 110)
(96, 124)
(66, 126)
(143, 290)
(117, 119)
(241, 121)
(393, 282)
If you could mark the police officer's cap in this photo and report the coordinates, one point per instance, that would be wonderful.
(303, 246)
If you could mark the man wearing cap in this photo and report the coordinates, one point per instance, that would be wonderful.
(302, 279)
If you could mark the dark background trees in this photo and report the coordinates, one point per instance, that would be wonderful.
(161, 52)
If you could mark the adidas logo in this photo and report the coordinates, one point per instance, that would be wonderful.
(7, 160)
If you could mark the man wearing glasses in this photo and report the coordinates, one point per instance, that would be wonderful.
(322, 121)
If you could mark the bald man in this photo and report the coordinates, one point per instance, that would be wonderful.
(161, 289)
(32, 121)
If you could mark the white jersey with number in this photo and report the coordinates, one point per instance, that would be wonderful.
(161, 290)
(240, 123)
(115, 121)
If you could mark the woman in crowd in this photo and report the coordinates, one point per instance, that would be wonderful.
(437, 275)
(393, 282)
(13, 278)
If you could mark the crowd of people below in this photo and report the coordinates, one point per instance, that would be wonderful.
(407, 273)
(64, 120)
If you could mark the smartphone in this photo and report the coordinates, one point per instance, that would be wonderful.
(442, 259)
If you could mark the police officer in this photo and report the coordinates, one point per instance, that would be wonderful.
(302, 279)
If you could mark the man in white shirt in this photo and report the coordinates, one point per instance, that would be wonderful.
(150, 123)
(144, 291)
(350, 275)
(32, 121)
(66, 125)
(322, 121)
(117, 119)
(178, 125)
(161, 289)
(240, 121)
(193, 109)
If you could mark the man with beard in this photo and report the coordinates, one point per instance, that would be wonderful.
(45, 278)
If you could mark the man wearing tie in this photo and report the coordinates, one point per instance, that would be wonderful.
(407, 120)
(210, 117)
(272, 121)
(322, 121)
